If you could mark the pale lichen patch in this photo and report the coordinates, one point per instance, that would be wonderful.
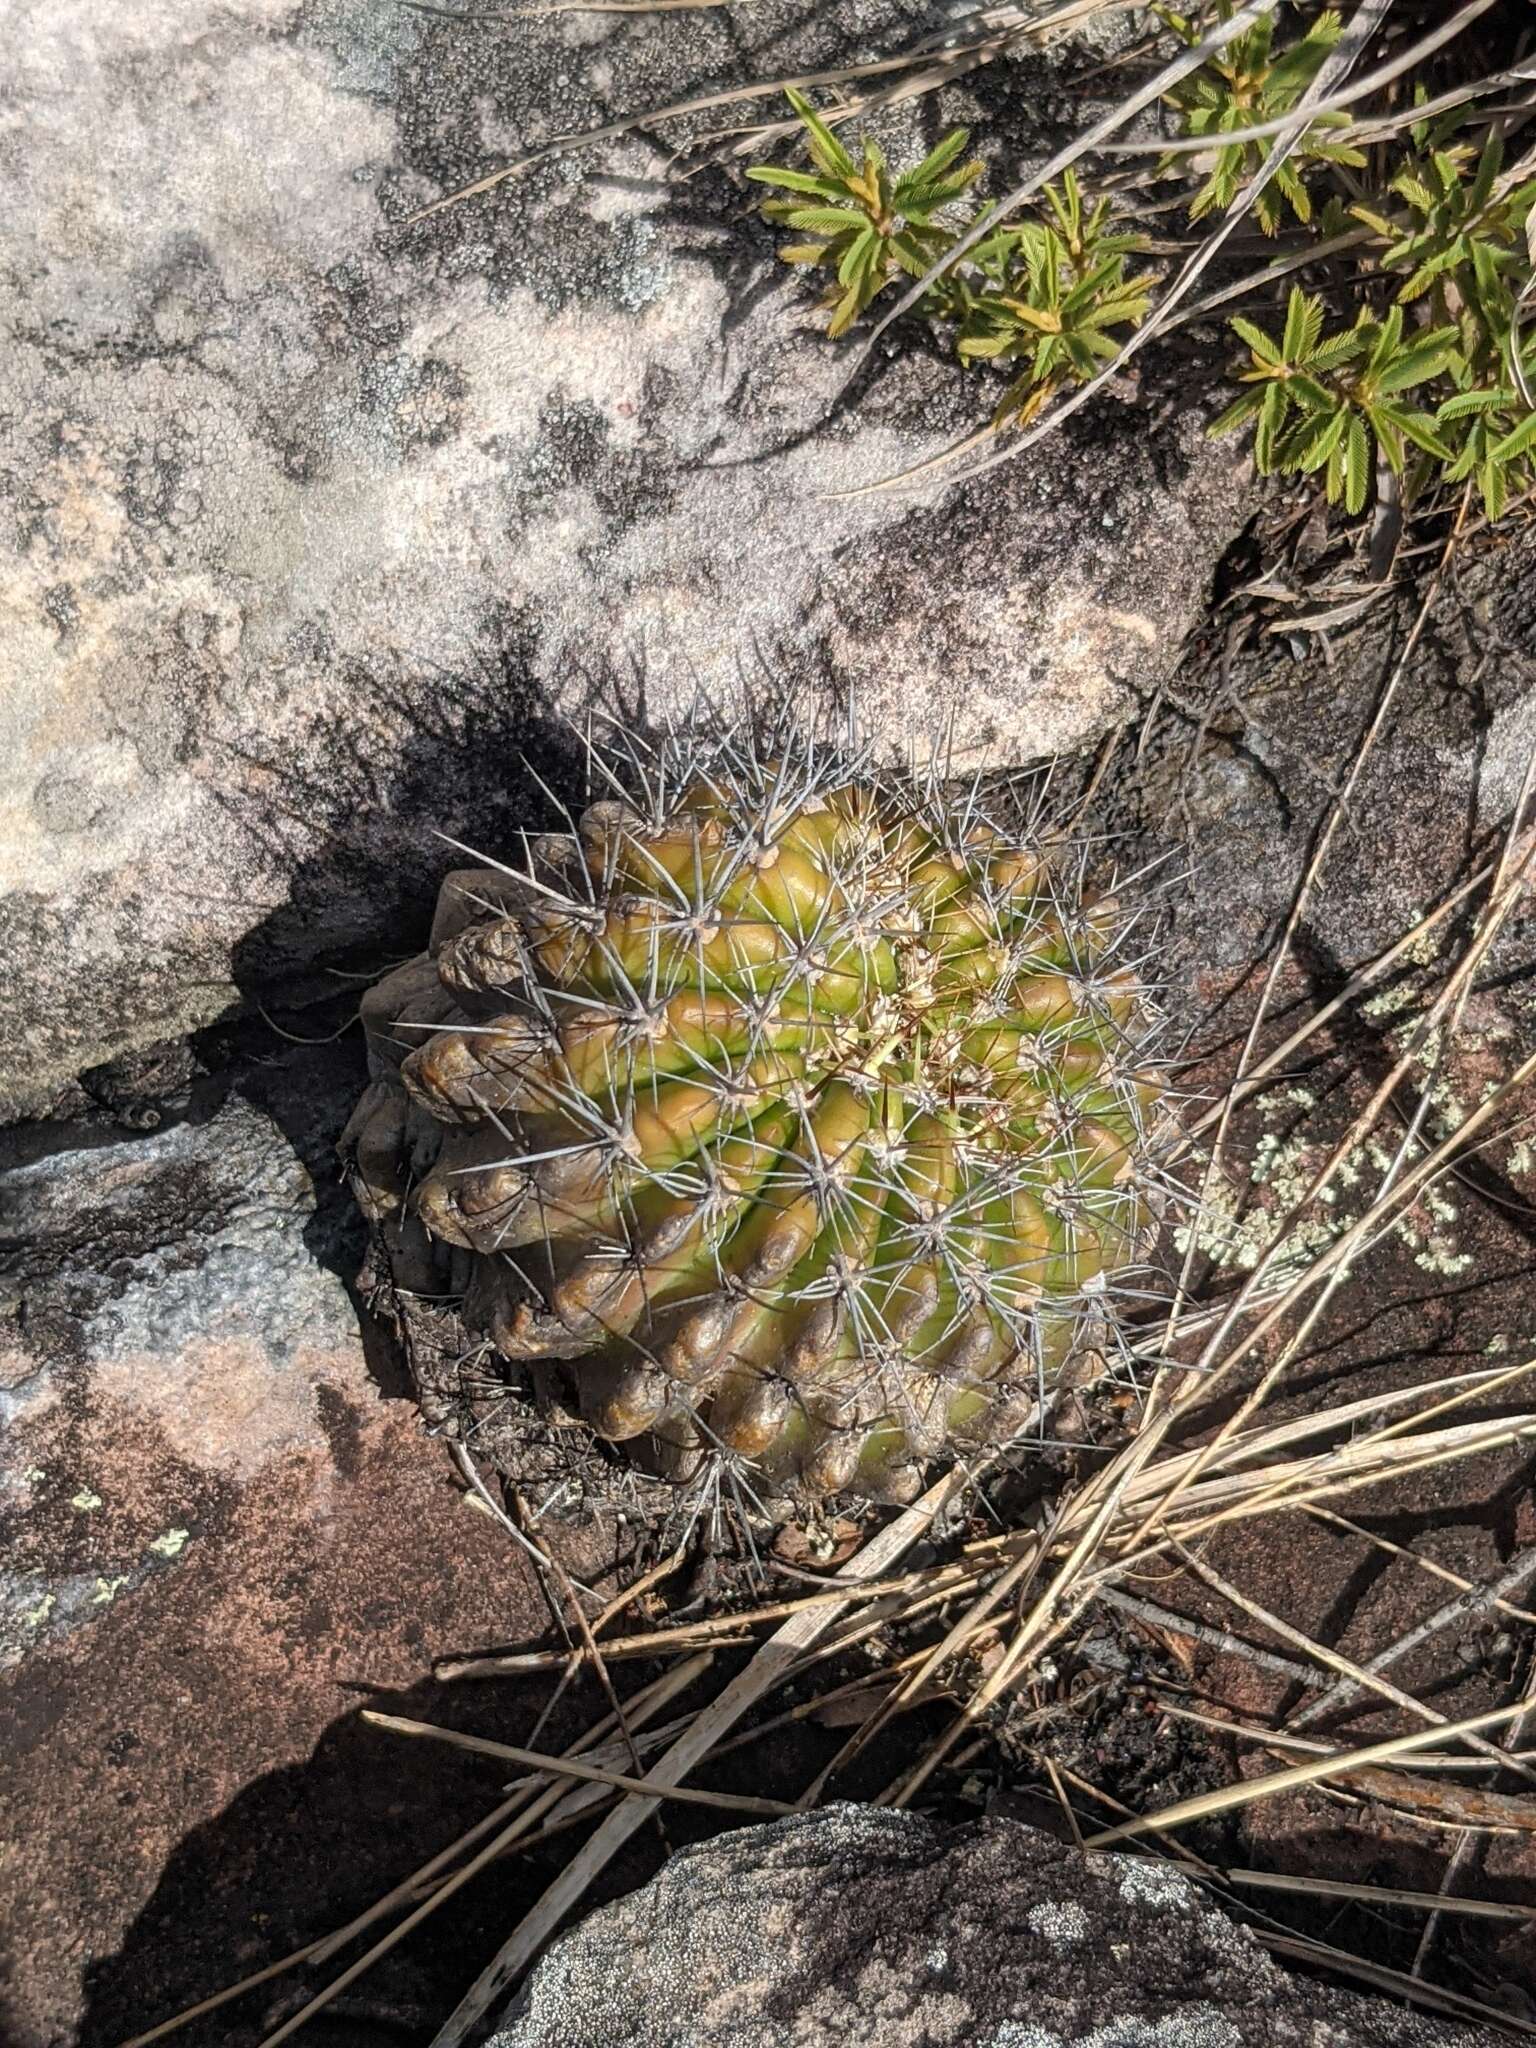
(1061, 1922)
(1238, 1227)
(35, 1616)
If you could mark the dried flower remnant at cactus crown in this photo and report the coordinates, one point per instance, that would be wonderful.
(785, 1109)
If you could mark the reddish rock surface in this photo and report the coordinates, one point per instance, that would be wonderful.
(222, 1537)
(343, 1562)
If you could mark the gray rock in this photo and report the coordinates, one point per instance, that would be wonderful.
(1250, 744)
(314, 522)
(858, 1927)
(184, 1282)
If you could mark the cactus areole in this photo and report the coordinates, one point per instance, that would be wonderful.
(785, 1109)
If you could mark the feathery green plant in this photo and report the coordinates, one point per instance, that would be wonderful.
(1244, 84)
(1333, 402)
(1402, 355)
(1466, 247)
(1048, 294)
(1053, 291)
(1333, 399)
(865, 225)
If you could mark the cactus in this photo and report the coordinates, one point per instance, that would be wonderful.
(783, 1109)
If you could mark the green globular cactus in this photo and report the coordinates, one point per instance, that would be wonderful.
(784, 1109)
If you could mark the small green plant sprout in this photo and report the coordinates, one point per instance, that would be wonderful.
(1244, 85)
(1418, 238)
(1494, 453)
(866, 225)
(1330, 402)
(1459, 239)
(1463, 242)
(1051, 293)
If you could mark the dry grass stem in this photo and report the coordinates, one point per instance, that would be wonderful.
(575, 1767)
(717, 1632)
(772, 1663)
(1314, 1771)
(1294, 1948)
(1334, 1660)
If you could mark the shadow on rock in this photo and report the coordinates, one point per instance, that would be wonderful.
(301, 1851)
(422, 759)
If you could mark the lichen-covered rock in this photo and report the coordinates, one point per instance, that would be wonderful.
(211, 1524)
(859, 1927)
(801, 1107)
(184, 1281)
(312, 521)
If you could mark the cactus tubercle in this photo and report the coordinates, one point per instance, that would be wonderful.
(800, 1109)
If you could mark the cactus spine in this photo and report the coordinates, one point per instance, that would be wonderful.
(799, 1109)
